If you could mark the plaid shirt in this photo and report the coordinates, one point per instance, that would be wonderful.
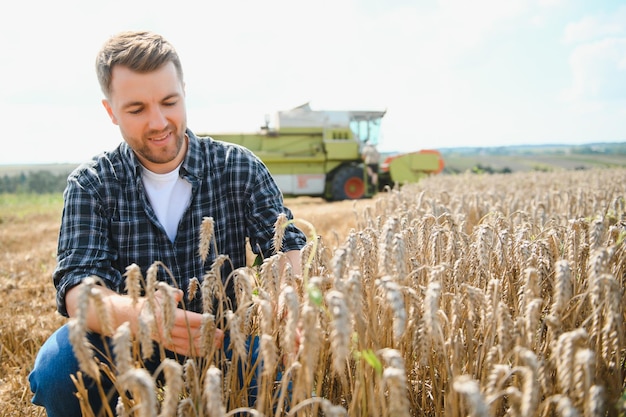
(108, 222)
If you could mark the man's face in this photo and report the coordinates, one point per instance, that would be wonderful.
(149, 109)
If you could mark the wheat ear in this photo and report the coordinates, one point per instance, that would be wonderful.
(173, 372)
(192, 289)
(279, 232)
(395, 301)
(206, 235)
(290, 305)
(341, 330)
(394, 378)
(469, 388)
(144, 333)
(213, 392)
(167, 310)
(192, 380)
(237, 337)
(139, 382)
(207, 329)
(122, 348)
(78, 331)
(133, 282)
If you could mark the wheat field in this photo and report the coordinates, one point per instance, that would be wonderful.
(498, 295)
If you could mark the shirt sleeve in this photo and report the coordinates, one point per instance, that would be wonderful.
(83, 247)
(265, 204)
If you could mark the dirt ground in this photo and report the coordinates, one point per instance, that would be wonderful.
(27, 313)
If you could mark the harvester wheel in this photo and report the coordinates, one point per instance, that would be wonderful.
(348, 184)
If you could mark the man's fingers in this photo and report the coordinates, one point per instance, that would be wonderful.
(187, 319)
(218, 338)
(183, 345)
(184, 332)
(187, 332)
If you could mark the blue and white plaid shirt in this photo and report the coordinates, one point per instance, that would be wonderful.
(108, 222)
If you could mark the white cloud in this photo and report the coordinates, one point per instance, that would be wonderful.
(597, 60)
(594, 27)
(598, 70)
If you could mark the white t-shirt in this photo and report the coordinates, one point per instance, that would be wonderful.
(370, 155)
(169, 195)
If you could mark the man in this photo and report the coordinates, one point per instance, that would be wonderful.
(145, 202)
(371, 158)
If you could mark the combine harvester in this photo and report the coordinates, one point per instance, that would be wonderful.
(318, 153)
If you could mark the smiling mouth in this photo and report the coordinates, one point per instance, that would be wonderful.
(159, 138)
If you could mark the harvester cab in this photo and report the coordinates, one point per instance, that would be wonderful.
(315, 153)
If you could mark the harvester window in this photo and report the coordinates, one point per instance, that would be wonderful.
(366, 129)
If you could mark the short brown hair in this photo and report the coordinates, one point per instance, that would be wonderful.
(139, 51)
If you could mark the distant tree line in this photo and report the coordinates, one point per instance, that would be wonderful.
(600, 149)
(487, 169)
(36, 182)
(587, 149)
(479, 169)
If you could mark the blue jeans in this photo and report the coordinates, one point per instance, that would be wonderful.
(53, 388)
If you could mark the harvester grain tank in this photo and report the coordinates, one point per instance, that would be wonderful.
(318, 153)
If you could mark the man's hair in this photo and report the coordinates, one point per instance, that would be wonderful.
(138, 51)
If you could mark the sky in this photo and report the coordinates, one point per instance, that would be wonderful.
(449, 73)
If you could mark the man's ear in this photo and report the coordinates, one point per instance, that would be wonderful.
(109, 110)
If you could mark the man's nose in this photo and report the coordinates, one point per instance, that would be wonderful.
(157, 120)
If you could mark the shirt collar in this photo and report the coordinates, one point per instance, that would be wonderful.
(192, 165)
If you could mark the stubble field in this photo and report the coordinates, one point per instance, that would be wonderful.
(493, 295)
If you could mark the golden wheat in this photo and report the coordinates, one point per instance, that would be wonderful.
(459, 295)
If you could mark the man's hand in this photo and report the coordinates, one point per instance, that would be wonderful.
(186, 330)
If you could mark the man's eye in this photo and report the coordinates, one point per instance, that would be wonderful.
(170, 103)
(135, 111)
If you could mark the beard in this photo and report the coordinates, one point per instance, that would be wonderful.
(165, 154)
(145, 150)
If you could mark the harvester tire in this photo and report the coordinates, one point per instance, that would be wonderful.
(348, 184)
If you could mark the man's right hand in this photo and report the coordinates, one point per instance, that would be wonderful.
(186, 331)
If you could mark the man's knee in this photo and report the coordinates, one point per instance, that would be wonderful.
(51, 380)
